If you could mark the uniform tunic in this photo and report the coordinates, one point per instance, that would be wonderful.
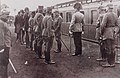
(77, 21)
(109, 25)
(39, 41)
(57, 26)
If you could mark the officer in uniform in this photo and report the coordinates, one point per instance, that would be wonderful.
(39, 40)
(109, 26)
(76, 28)
(57, 27)
(5, 44)
(102, 12)
(48, 35)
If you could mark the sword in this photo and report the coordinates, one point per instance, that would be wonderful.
(64, 44)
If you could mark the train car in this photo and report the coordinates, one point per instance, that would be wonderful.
(90, 10)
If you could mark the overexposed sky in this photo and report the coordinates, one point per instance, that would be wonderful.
(32, 4)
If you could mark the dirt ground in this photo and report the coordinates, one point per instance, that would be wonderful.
(66, 66)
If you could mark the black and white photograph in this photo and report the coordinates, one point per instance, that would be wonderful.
(59, 38)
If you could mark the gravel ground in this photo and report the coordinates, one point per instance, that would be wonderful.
(66, 66)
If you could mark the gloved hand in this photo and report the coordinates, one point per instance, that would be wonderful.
(83, 32)
(70, 33)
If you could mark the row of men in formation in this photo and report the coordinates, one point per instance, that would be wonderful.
(36, 29)
(40, 29)
(107, 32)
(44, 28)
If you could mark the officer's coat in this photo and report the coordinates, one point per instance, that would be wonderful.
(5, 35)
(47, 26)
(77, 22)
(57, 25)
(109, 25)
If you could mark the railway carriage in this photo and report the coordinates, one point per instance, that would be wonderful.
(90, 10)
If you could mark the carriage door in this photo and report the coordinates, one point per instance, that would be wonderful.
(94, 16)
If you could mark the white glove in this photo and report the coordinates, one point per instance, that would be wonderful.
(82, 32)
(70, 32)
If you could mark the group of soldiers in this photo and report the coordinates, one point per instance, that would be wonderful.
(39, 29)
(36, 29)
(107, 32)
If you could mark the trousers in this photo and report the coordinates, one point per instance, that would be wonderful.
(59, 44)
(48, 46)
(77, 42)
(4, 60)
(109, 50)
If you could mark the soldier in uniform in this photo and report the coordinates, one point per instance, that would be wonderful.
(109, 26)
(76, 28)
(5, 44)
(26, 26)
(48, 35)
(57, 30)
(102, 12)
(39, 40)
(31, 25)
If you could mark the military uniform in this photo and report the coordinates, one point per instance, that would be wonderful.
(48, 35)
(76, 27)
(108, 32)
(38, 34)
(98, 33)
(57, 26)
(5, 44)
(31, 24)
(26, 27)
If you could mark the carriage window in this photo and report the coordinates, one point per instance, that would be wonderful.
(82, 12)
(61, 14)
(68, 16)
(94, 16)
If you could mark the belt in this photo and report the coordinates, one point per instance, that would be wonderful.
(110, 26)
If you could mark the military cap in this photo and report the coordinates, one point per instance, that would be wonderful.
(49, 9)
(4, 12)
(77, 5)
(101, 7)
(26, 8)
(40, 7)
(22, 11)
(4, 15)
(110, 6)
(56, 11)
